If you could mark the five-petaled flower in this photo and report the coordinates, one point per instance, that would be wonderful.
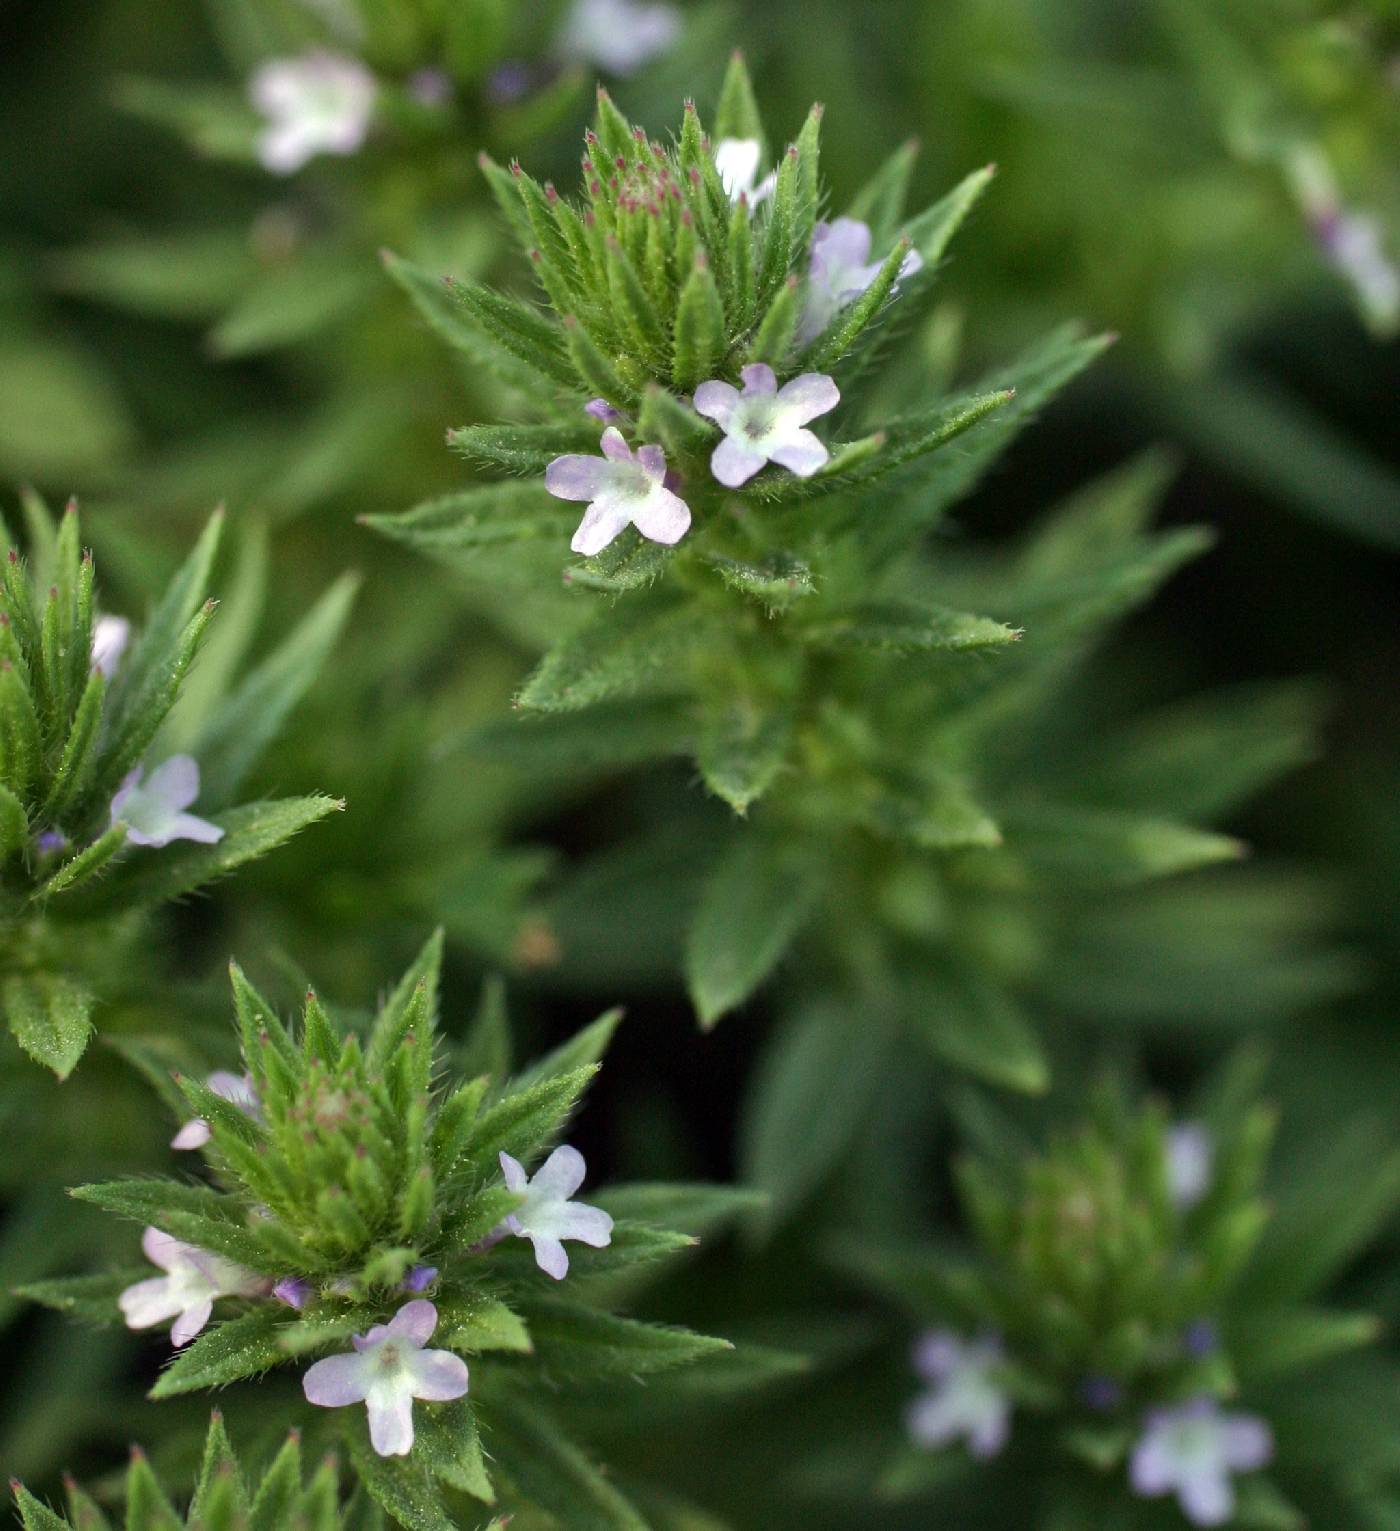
(547, 1217)
(766, 423)
(1191, 1450)
(154, 813)
(736, 159)
(964, 1399)
(186, 1293)
(620, 488)
(1190, 1160)
(317, 104)
(840, 272)
(109, 639)
(386, 1371)
(619, 36)
(237, 1089)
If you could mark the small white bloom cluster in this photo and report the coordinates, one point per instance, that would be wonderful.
(388, 1367)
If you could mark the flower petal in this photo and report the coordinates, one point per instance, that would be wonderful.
(759, 378)
(716, 400)
(653, 462)
(589, 1225)
(808, 396)
(191, 1321)
(162, 1250)
(736, 159)
(662, 517)
(550, 1255)
(614, 445)
(932, 1420)
(605, 519)
(845, 240)
(194, 1134)
(937, 1354)
(390, 1409)
(1152, 1468)
(576, 477)
(1207, 1498)
(989, 1433)
(561, 1174)
(438, 1375)
(337, 1381)
(1246, 1443)
(187, 826)
(801, 453)
(415, 1321)
(149, 1303)
(514, 1172)
(174, 783)
(733, 464)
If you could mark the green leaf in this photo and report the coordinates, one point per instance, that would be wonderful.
(474, 1321)
(50, 1015)
(523, 449)
(455, 528)
(14, 824)
(250, 717)
(219, 1479)
(742, 752)
(33, 1515)
(412, 1004)
(1102, 847)
(279, 1493)
(585, 1047)
(756, 899)
(932, 231)
(627, 649)
(691, 1209)
(814, 1086)
(1267, 1343)
(974, 1024)
(87, 864)
(90, 1299)
(234, 1349)
(522, 1122)
(551, 1472)
(905, 628)
(880, 202)
(183, 866)
(401, 1486)
(446, 1439)
(194, 1214)
(578, 1342)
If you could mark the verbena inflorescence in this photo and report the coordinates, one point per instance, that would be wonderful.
(364, 1210)
(95, 804)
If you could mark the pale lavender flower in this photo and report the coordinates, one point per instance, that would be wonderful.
(1191, 1450)
(1353, 245)
(234, 1088)
(386, 1371)
(1190, 1160)
(840, 272)
(194, 1279)
(49, 842)
(154, 813)
(766, 423)
(619, 36)
(619, 488)
(320, 103)
(110, 636)
(965, 1399)
(1200, 1338)
(600, 409)
(293, 1291)
(1100, 1392)
(508, 83)
(419, 1278)
(736, 159)
(547, 1217)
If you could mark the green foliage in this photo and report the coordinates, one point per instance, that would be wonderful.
(224, 1498)
(349, 1167)
(71, 729)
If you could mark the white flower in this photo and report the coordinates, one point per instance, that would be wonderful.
(1190, 1159)
(237, 1088)
(186, 1293)
(736, 159)
(1352, 243)
(546, 1217)
(619, 36)
(1191, 1450)
(619, 488)
(841, 270)
(109, 639)
(154, 813)
(387, 1370)
(317, 104)
(766, 424)
(964, 1399)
